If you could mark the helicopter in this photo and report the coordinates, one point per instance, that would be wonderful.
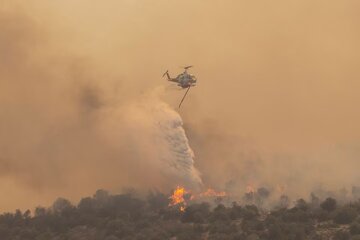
(183, 80)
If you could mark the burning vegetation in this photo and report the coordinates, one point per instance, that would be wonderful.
(184, 216)
(177, 198)
(180, 196)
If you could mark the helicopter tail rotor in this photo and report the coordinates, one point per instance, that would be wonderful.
(165, 73)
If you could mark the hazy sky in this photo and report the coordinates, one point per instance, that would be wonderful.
(276, 101)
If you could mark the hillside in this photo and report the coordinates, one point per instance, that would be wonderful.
(126, 216)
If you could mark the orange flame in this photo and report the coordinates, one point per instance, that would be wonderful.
(178, 196)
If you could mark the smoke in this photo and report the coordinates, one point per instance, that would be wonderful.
(68, 127)
(275, 104)
(168, 141)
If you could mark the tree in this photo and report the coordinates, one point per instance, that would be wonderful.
(86, 205)
(301, 204)
(101, 197)
(40, 211)
(61, 204)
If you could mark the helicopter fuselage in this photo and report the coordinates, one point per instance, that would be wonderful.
(185, 80)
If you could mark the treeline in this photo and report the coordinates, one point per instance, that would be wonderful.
(125, 216)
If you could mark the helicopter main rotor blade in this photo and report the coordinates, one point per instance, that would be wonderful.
(187, 67)
(184, 96)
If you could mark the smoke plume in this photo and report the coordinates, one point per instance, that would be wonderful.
(275, 105)
(66, 132)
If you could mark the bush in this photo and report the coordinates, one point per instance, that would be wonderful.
(296, 215)
(342, 235)
(252, 225)
(250, 212)
(302, 204)
(220, 213)
(124, 216)
(329, 204)
(355, 229)
(235, 211)
(345, 215)
(223, 228)
(197, 213)
(276, 233)
(157, 200)
(322, 215)
(253, 237)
